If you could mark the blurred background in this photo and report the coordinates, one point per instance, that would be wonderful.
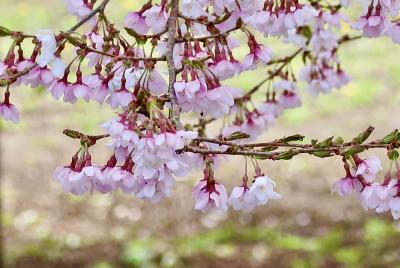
(309, 227)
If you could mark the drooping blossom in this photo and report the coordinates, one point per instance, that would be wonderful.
(48, 47)
(156, 18)
(210, 195)
(368, 168)
(8, 111)
(264, 189)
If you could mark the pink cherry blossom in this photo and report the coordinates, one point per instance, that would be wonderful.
(37, 76)
(225, 69)
(81, 90)
(368, 168)
(156, 188)
(369, 197)
(122, 177)
(136, 22)
(192, 8)
(258, 53)
(48, 47)
(345, 186)
(58, 88)
(393, 31)
(80, 8)
(210, 195)
(242, 199)
(120, 98)
(65, 176)
(220, 99)
(372, 26)
(9, 112)
(156, 18)
(394, 205)
(155, 83)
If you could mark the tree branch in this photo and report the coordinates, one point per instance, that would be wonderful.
(175, 116)
(333, 150)
(11, 79)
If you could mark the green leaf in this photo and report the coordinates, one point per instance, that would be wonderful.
(393, 154)
(322, 154)
(296, 137)
(391, 137)
(352, 151)
(287, 155)
(269, 148)
(338, 141)
(73, 40)
(141, 39)
(237, 135)
(314, 142)
(4, 31)
(363, 136)
(325, 143)
(306, 31)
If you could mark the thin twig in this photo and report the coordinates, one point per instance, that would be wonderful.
(205, 38)
(304, 149)
(116, 57)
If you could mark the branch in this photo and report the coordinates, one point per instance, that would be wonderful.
(285, 61)
(205, 38)
(345, 149)
(117, 58)
(170, 61)
(11, 79)
(99, 9)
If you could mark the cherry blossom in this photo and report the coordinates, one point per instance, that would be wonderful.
(264, 189)
(8, 111)
(210, 195)
(368, 168)
(345, 186)
(372, 26)
(242, 199)
(258, 53)
(48, 47)
(394, 205)
(156, 18)
(137, 22)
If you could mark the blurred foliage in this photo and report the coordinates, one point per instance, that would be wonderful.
(376, 246)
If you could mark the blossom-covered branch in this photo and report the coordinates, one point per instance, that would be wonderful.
(171, 62)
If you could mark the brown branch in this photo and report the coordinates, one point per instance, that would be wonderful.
(117, 58)
(326, 148)
(205, 38)
(170, 61)
(99, 9)
(279, 143)
(295, 150)
(84, 138)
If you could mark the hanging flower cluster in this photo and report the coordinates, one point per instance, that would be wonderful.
(200, 45)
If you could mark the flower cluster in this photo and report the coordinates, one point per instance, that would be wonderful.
(209, 194)
(376, 19)
(147, 155)
(360, 179)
